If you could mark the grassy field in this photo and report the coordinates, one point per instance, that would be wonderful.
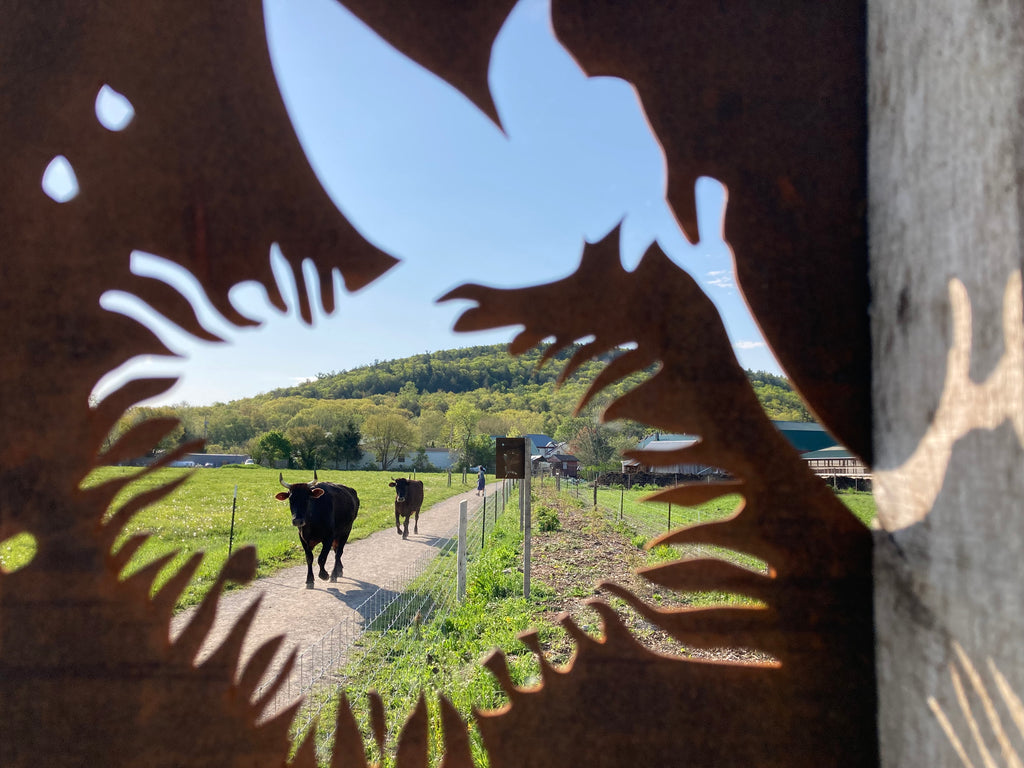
(653, 518)
(443, 654)
(400, 658)
(197, 517)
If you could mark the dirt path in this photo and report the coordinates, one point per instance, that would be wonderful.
(304, 616)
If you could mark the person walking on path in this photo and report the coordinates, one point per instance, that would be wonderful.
(481, 481)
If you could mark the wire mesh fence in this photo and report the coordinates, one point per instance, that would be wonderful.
(423, 589)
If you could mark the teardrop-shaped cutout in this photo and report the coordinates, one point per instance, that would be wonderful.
(113, 109)
(59, 180)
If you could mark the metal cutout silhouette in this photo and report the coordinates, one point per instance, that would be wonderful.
(769, 100)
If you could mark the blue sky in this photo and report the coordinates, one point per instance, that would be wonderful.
(421, 173)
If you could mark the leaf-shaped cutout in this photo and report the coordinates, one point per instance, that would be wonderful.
(257, 666)
(139, 440)
(348, 741)
(228, 654)
(127, 551)
(695, 494)
(457, 753)
(711, 575)
(141, 582)
(378, 721)
(167, 596)
(412, 741)
(117, 522)
(25, 545)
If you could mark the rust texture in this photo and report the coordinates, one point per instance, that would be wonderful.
(816, 617)
(768, 99)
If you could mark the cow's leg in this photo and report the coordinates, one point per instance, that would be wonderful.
(338, 569)
(309, 565)
(398, 523)
(416, 525)
(339, 548)
(325, 550)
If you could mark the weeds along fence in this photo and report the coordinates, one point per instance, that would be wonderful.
(433, 580)
(649, 519)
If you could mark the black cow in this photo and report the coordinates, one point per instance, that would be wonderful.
(408, 499)
(323, 513)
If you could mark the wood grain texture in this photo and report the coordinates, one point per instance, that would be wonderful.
(946, 90)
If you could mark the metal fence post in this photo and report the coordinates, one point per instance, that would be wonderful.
(461, 584)
(231, 536)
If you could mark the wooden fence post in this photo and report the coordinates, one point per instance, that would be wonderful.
(461, 584)
(527, 527)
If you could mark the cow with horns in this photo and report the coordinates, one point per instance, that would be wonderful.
(408, 499)
(323, 513)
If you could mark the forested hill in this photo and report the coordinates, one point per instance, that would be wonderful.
(468, 369)
(455, 370)
(434, 399)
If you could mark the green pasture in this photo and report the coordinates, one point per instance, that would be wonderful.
(197, 516)
(652, 518)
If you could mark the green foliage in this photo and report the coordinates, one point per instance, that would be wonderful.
(343, 444)
(271, 447)
(309, 444)
(547, 519)
(495, 576)
(450, 398)
(389, 435)
(777, 397)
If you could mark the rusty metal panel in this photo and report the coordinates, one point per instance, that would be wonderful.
(766, 97)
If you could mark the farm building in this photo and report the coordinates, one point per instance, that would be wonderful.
(563, 464)
(835, 461)
(816, 446)
(542, 444)
(439, 458)
(661, 442)
(215, 459)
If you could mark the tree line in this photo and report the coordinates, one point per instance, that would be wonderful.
(454, 399)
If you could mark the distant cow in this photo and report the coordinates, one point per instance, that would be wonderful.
(408, 499)
(323, 513)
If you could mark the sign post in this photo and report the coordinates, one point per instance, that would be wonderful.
(512, 460)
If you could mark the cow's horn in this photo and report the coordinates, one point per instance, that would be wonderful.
(281, 478)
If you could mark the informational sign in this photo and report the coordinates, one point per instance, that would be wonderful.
(510, 457)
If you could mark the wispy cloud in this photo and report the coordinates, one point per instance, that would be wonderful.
(748, 345)
(721, 278)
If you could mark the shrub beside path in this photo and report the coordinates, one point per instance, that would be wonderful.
(303, 615)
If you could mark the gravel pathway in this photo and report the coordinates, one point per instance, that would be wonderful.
(303, 615)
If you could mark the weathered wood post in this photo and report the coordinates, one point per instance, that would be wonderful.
(527, 521)
(945, 213)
